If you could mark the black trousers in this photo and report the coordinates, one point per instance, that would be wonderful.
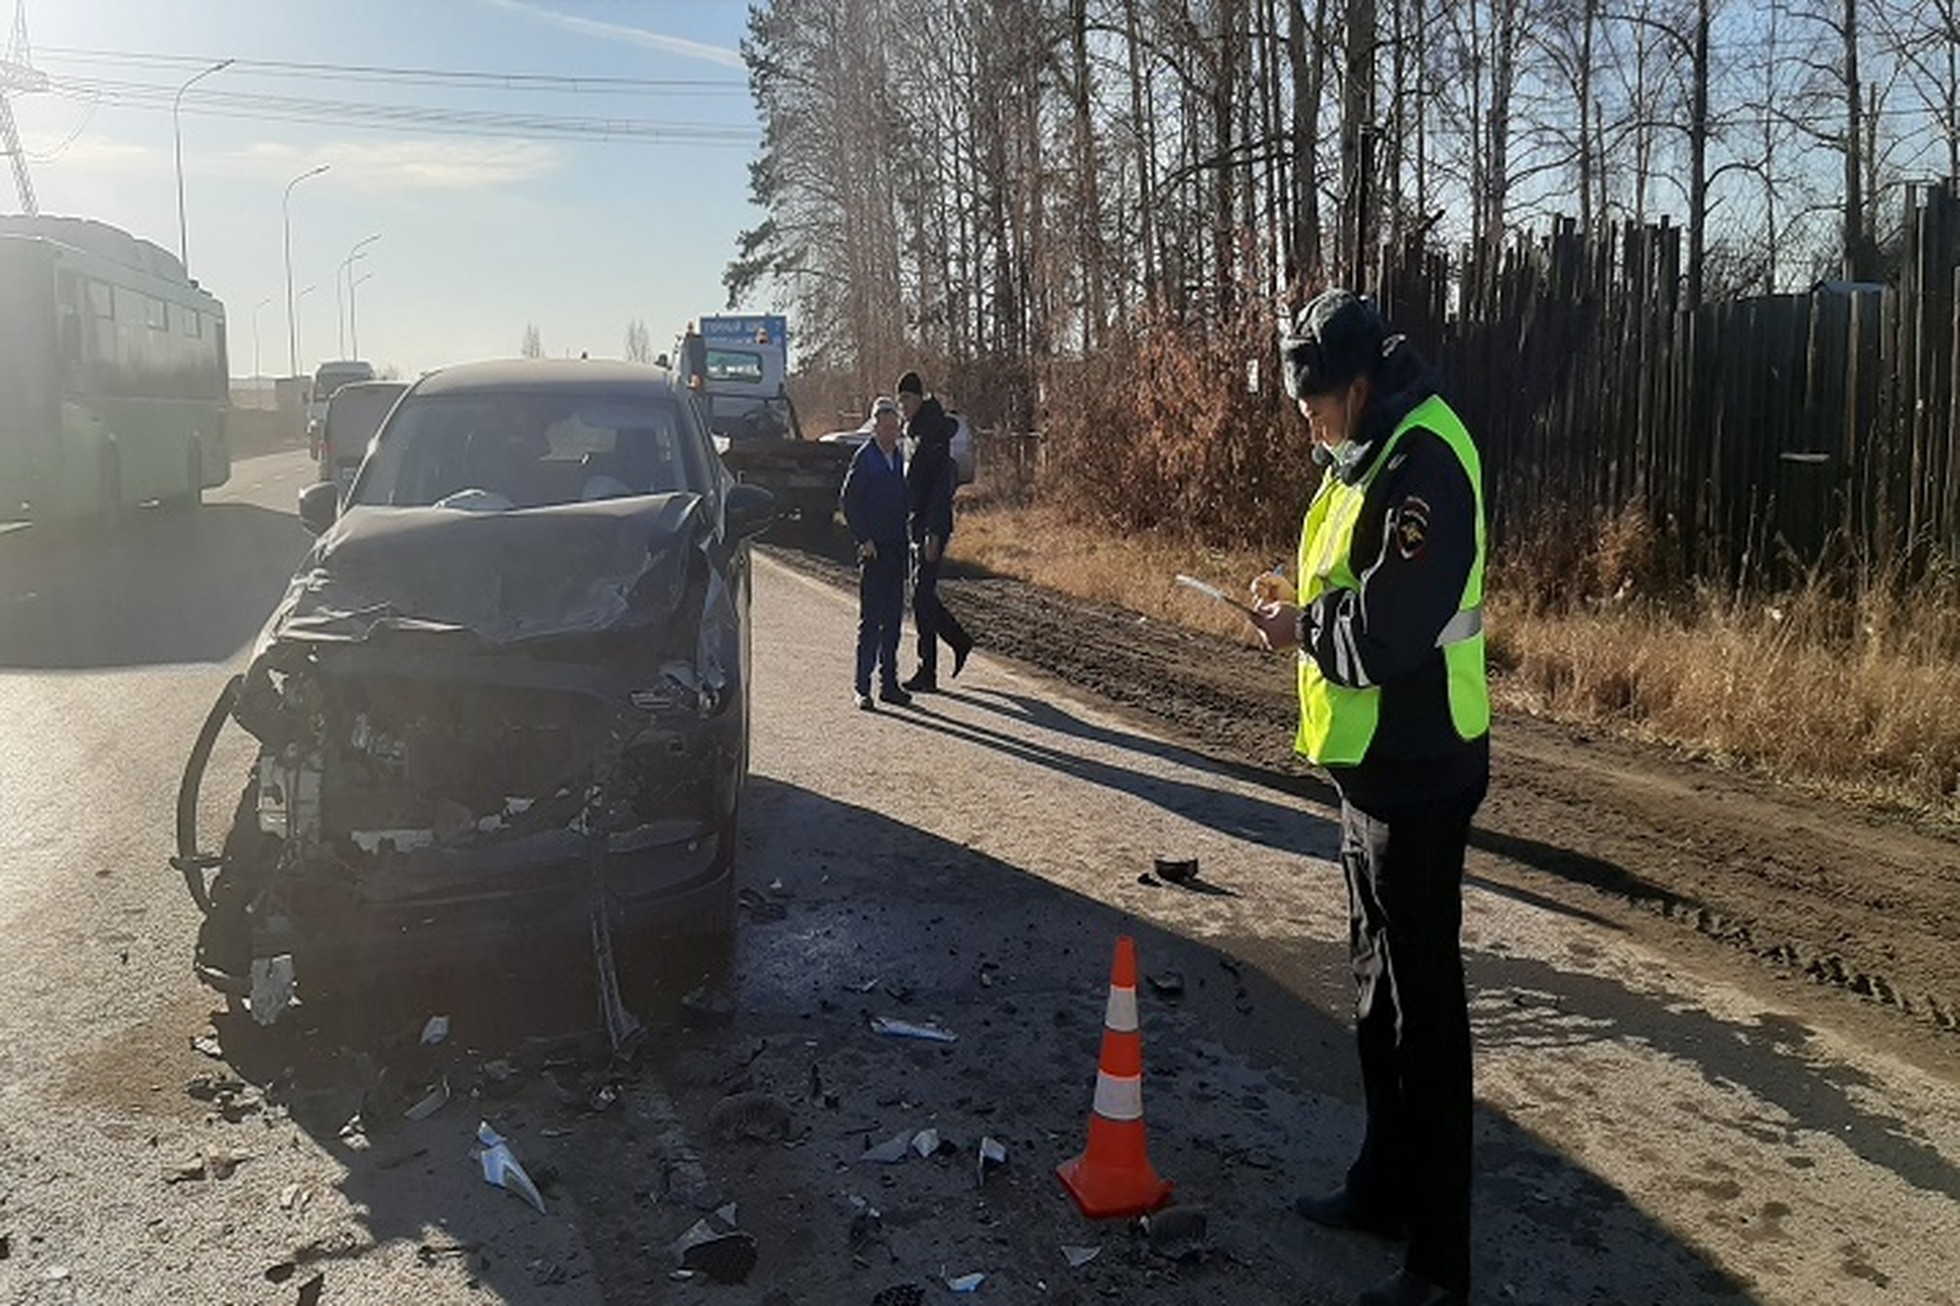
(881, 614)
(1404, 868)
(931, 617)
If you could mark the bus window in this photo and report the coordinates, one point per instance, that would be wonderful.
(68, 310)
(71, 335)
(192, 322)
(102, 300)
(156, 312)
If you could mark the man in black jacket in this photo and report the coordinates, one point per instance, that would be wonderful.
(1388, 621)
(929, 485)
(873, 501)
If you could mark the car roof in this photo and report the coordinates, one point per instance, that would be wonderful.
(358, 388)
(546, 374)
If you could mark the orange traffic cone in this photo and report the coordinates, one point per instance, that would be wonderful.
(1113, 1177)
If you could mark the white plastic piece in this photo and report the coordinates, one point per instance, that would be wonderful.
(501, 1168)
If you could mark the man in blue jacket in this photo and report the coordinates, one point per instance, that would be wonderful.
(929, 483)
(874, 507)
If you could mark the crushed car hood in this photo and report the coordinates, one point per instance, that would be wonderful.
(504, 577)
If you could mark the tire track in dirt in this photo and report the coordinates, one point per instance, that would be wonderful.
(1860, 900)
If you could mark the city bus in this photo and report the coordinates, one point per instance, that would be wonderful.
(113, 374)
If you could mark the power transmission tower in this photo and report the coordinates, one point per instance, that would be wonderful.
(18, 74)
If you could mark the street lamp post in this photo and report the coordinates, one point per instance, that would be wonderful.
(304, 292)
(257, 371)
(177, 134)
(345, 270)
(292, 322)
(353, 317)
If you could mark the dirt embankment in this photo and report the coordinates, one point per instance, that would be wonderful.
(1861, 900)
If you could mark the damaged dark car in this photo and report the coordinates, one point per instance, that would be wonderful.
(506, 695)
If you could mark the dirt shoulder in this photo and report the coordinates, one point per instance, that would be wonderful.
(1862, 901)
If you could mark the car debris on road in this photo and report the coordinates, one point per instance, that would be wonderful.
(501, 1167)
(926, 1030)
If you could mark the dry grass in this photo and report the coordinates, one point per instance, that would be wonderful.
(1855, 696)
(1038, 544)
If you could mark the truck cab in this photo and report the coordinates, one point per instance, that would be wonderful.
(739, 366)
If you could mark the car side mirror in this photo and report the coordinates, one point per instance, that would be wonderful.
(319, 504)
(748, 511)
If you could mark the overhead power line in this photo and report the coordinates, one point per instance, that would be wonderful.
(466, 79)
(215, 102)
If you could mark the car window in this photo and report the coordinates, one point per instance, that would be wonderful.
(355, 415)
(498, 451)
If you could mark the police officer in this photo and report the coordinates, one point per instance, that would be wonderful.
(1387, 619)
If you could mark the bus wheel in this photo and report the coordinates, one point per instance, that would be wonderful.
(108, 503)
(193, 496)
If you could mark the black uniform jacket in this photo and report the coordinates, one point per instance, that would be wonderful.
(1411, 551)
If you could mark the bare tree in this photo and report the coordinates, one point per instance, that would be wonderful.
(639, 342)
(533, 346)
(1833, 60)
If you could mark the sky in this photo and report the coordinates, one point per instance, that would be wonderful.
(483, 227)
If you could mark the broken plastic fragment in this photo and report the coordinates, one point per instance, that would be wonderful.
(926, 1142)
(967, 1283)
(714, 1247)
(1178, 870)
(501, 1168)
(272, 987)
(991, 1153)
(430, 1104)
(436, 1030)
(1077, 1257)
(889, 1152)
(909, 1029)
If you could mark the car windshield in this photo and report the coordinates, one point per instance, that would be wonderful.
(505, 450)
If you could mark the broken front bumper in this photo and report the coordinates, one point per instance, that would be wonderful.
(417, 802)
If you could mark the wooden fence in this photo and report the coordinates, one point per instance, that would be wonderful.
(1756, 433)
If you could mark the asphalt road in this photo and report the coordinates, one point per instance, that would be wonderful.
(1653, 1126)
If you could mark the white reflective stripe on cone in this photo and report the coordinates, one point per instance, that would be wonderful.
(1121, 1014)
(1119, 1097)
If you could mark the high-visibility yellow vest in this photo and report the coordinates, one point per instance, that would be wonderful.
(1337, 724)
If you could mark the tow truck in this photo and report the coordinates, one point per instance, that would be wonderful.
(739, 364)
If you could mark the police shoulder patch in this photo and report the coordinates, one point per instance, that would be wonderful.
(1411, 526)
